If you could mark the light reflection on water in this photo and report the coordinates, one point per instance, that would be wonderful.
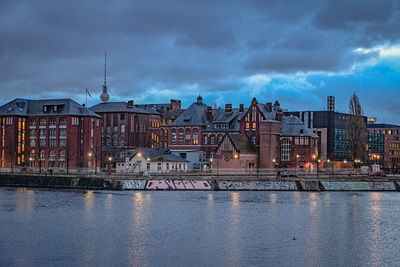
(45, 227)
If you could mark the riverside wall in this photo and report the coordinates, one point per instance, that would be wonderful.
(208, 185)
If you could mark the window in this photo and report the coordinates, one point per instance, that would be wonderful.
(188, 137)
(52, 143)
(32, 134)
(63, 133)
(115, 141)
(180, 136)
(122, 116)
(212, 139)
(63, 121)
(32, 155)
(75, 121)
(42, 143)
(173, 136)
(115, 129)
(159, 166)
(42, 133)
(32, 122)
(108, 142)
(122, 128)
(195, 137)
(53, 121)
(42, 155)
(122, 141)
(254, 139)
(53, 133)
(219, 138)
(167, 166)
(254, 126)
(42, 122)
(63, 142)
(247, 125)
(285, 150)
(148, 166)
(205, 139)
(32, 142)
(97, 122)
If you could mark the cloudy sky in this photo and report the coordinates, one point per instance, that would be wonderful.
(297, 52)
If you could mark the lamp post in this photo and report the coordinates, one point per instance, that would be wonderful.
(297, 162)
(319, 161)
(109, 165)
(90, 160)
(314, 159)
(211, 160)
(275, 166)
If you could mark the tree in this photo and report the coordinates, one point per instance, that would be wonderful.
(356, 129)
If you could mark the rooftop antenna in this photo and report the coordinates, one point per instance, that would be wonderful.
(105, 96)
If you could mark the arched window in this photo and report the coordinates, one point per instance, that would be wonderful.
(122, 128)
(32, 155)
(42, 155)
(62, 155)
(115, 141)
(205, 139)
(285, 150)
(195, 136)
(108, 129)
(122, 141)
(254, 139)
(180, 136)
(219, 138)
(173, 136)
(188, 136)
(108, 141)
(212, 140)
(52, 159)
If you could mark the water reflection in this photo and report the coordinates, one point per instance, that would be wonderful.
(375, 233)
(234, 231)
(273, 198)
(25, 199)
(139, 228)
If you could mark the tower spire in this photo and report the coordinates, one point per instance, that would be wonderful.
(105, 68)
(105, 96)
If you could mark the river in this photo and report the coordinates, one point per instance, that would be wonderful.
(44, 227)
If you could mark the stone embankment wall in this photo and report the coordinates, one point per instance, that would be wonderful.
(154, 184)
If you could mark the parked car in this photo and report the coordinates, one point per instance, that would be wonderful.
(377, 174)
(288, 174)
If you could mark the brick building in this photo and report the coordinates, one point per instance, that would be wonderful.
(126, 126)
(230, 138)
(57, 133)
(169, 112)
(390, 133)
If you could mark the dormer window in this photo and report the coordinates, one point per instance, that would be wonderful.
(301, 131)
(44, 108)
(55, 108)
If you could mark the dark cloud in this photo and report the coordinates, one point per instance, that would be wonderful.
(207, 46)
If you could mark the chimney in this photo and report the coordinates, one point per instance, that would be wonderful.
(130, 103)
(254, 101)
(228, 107)
(331, 103)
(269, 106)
(209, 113)
(276, 104)
(175, 104)
(279, 114)
(241, 108)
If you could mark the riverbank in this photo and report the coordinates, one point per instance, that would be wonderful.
(215, 184)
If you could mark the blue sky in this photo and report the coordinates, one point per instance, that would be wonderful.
(296, 52)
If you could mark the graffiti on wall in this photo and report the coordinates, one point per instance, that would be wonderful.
(310, 185)
(346, 185)
(133, 184)
(177, 185)
(231, 185)
(382, 186)
(278, 185)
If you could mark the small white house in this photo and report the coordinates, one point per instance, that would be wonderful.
(151, 160)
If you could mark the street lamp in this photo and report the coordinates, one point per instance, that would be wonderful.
(319, 161)
(90, 161)
(297, 161)
(211, 160)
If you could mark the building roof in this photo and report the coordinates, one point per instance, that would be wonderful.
(195, 115)
(54, 107)
(242, 143)
(292, 126)
(164, 109)
(382, 125)
(120, 107)
(154, 154)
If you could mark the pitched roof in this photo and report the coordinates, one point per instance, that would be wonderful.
(292, 125)
(382, 125)
(55, 107)
(154, 154)
(164, 109)
(196, 114)
(120, 107)
(242, 143)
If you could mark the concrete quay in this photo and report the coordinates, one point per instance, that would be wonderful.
(211, 183)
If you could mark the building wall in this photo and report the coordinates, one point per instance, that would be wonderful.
(140, 165)
(59, 143)
(391, 146)
(269, 144)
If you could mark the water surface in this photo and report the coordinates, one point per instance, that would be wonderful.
(176, 228)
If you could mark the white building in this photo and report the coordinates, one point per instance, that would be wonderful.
(151, 160)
